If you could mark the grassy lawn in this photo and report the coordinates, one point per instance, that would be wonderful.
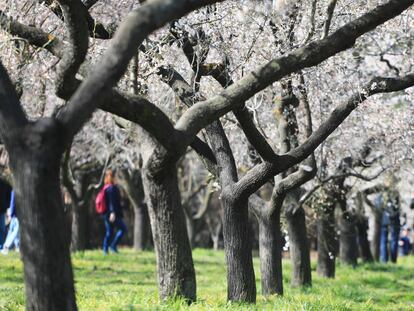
(127, 282)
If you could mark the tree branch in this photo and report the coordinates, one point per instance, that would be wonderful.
(75, 53)
(329, 14)
(32, 35)
(95, 29)
(198, 116)
(221, 74)
(261, 173)
(12, 116)
(137, 26)
(131, 107)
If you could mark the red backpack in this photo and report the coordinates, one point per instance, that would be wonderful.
(100, 202)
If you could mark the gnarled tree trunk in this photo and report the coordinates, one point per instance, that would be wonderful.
(35, 161)
(176, 275)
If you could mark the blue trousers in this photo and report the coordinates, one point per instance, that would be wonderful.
(2, 229)
(393, 243)
(13, 239)
(109, 229)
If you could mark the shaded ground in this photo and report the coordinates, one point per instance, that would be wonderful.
(127, 282)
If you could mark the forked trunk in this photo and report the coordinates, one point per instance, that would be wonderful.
(241, 283)
(270, 248)
(327, 243)
(176, 275)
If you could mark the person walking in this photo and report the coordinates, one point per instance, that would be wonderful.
(113, 217)
(13, 236)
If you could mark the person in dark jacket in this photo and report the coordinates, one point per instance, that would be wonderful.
(113, 216)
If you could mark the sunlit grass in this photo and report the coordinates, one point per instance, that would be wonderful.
(127, 282)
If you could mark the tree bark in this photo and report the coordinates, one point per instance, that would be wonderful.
(363, 243)
(133, 185)
(348, 247)
(270, 249)
(327, 243)
(141, 227)
(189, 222)
(79, 226)
(376, 238)
(298, 242)
(241, 282)
(176, 275)
(35, 162)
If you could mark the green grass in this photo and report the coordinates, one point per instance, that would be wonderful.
(127, 282)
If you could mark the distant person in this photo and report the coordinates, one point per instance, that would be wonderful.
(390, 225)
(13, 238)
(112, 214)
(405, 243)
(5, 192)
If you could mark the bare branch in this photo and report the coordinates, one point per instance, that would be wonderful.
(32, 35)
(95, 29)
(261, 173)
(75, 53)
(221, 74)
(198, 116)
(312, 22)
(137, 26)
(329, 15)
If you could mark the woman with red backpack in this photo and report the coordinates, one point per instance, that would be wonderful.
(108, 204)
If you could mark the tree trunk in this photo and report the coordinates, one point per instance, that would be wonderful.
(44, 231)
(134, 188)
(270, 249)
(363, 243)
(189, 222)
(79, 227)
(176, 275)
(141, 227)
(376, 238)
(327, 243)
(348, 246)
(299, 248)
(241, 282)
